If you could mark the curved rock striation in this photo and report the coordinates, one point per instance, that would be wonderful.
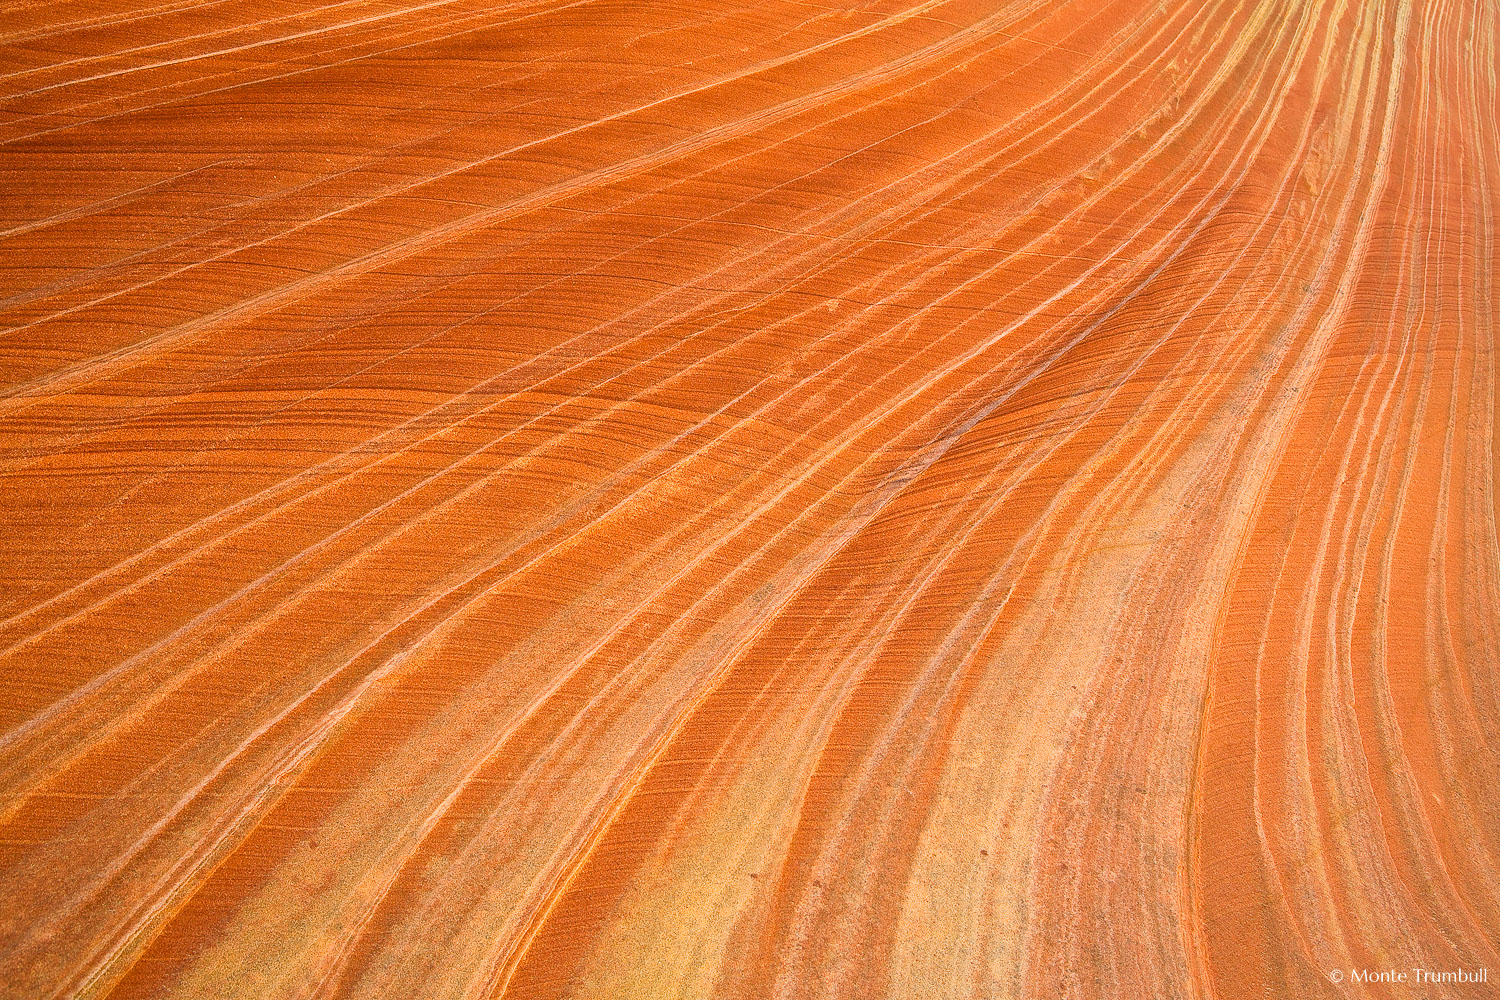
(595, 498)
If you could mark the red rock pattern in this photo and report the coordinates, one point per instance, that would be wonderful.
(592, 498)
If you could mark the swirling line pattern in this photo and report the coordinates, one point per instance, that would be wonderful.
(593, 498)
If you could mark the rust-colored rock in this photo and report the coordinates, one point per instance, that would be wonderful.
(749, 500)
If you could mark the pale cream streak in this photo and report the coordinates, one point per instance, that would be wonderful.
(116, 201)
(889, 211)
(1418, 904)
(318, 467)
(931, 52)
(579, 365)
(83, 24)
(683, 618)
(1481, 488)
(1351, 549)
(240, 245)
(585, 658)
(1292, 392)
(426, 38)
(941, 657)
(1332, 508)
(804, 380)
(1290, 400)
(903, 92)
(83, 373)
(380, 158)
(173, 887)
(606, 416)
(1476, 941)
(996, 266)
(236, 29)
(1318, 957)
(1190, 894)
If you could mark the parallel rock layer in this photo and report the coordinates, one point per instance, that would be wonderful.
(592, 498)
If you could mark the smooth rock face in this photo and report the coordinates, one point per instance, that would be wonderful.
(621, 499)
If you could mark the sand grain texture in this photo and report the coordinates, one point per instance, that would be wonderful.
(605, 499)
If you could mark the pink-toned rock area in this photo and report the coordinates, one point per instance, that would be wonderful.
(771, 500)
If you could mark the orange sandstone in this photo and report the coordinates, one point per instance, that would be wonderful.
(573, 498)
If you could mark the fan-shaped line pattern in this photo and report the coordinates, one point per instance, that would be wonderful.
(965, 498)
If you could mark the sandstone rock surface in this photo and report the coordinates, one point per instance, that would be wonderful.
(609, 499)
